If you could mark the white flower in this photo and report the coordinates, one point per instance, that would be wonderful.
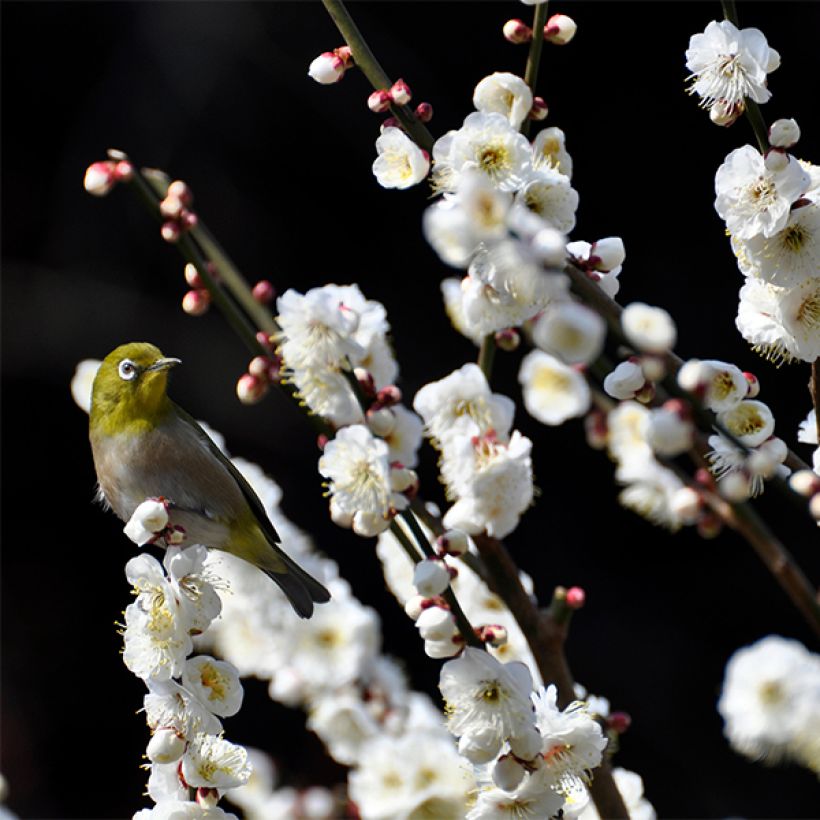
(215, 683)
(750, 421)
(649, 329)
(753, 199)
(624, 381)
(783, 324)
(495, 487)
(667, 433)
(721, 384)
(727, 459)
(165, 746)
(212, 762)
(790, 256)
(549, 194)
(626, 437)
(485, 696)
(405, 438)
(652, 491)
(147, 521)
(193, 585)
(573, 742)
(729, 64)
(549, 152)
(572, 332)
(553, 392)
(400, 162)
(344, 724)
(170, 706)
(431, 578)
(465, 393)
(598, 268)
(505, 94)
(83, 381)
(807, 432)
(530, 802)
(486, 143)
(357, 466)
(453, 297)
(771, 695)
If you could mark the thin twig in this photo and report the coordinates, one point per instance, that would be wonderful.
(539, 18)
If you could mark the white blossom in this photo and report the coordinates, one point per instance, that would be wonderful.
(606, 277)
(668, 433)
(400, 162)
(649, 329)
(193, 585)
(572, 332)
(213, 762)
(453, 297)
(722, 385)
(505, 94)
(529, 803)
(750, 421)
(83, 381)
(549, 194)
(344, 724)
(624, 381)
(168, 705)
(216, 684)
(405, 438)
(147, 521)
(807, 432)
(549, 151)
(553, 392)
(753, 199)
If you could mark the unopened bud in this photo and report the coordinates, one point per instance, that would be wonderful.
(424, 112)
(250, 389)
(517, 32)
(259, 367)
(192, 276)
(805, 482)
(438, 650)
(389, 396)
(207, 798)
(180, 190)
(365, 380)
(619, 722)
(452, 542)
(560, 29)
(170, 231)
(595, 428)
(709, 526)
(264, 292)
(123, 171)
(196, 302)
(814, 506)
(686, 504)
(188, 219)
(99, 178)
(379, 101)
(403, 479)
(576, 597)
(492, 634)
(390, 122)
(776, 160)
(436, 624)
(171, 207)
(400, 92)
(174, 535)
(654, 367)
(381, 421)
(550, 246)
(724, 113)
(607, 253)
(783, 133)
(431, 577)
(413, 607)
(539, 110)
(762, 462)
(265, 340)
(624, 381)
(508, 773)
(507, 339)
(754, 384)
(735, 486)
(165, 746)
(705, 478)
(327, 68)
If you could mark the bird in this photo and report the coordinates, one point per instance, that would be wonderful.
(145, 446)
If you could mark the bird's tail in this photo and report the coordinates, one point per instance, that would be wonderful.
(301, 588)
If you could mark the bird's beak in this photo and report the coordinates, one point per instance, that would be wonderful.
(164, 364)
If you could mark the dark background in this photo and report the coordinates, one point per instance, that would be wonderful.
(217, 94)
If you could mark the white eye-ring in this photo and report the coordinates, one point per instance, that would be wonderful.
(128, 370)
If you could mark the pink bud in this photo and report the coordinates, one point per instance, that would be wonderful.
(188, 219)
(754, 384)
(379, 101)
(507, 339)
(517, 32)
(619, 722)
(180, 190)
(388, 396)
(327, 68)
(705, 478)
(679, 407)
(539, 109)
(123, 171)
(596, 429)
(171, 207)
(264, 291)
(259, 366)
(192, 276)
(424, 112)
(576, 597)
(196, 302)
(365, 380)
(400, 92)
(560, 29)
(345, 55)
(493, 634)
(322, 440)
(99, 178)
(250, 389)
(265, 340)
(170, 231)
(390, 122)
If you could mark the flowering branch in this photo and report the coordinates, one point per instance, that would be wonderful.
(539, 18)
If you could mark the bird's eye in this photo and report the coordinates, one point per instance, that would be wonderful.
(127, 370)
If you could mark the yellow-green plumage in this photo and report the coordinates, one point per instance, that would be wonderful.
(145, 446)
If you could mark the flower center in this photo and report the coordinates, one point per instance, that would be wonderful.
(551, 381)
(808, 314)
(745, 421)
(771, 693)
(493, 158)
(794, 237)
(491, 692)
(762, 192)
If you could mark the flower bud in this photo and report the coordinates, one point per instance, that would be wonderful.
(379, 101)
(668, 433)
(165, 746)
(493, 634)
(814, 506)
(654, 367)
(192, 276)
(646, 393)
(724, 113)
(424, 112)
(776, 160)
(250, 389)
(805, 482)
(452, 542)
(619, 722)
(550, 246)
(762, 462)
(259, 367)
(413, 607)
(539, 110)
(207, 798)
(170, 231)
(171, 207)
(147, 521)
(99, 178)
(507, 339)
(196, 302)
(431, 577)
(595, 428)
(365, 380)
(649, 329)
(527, 743)
(607, 253)
(388, 396)
(560, 29)
(508, 773)
(754, 384)
(368, 524)
(442, 649)
(517, 32)
(624, 381)
(575, 597)
(783, 133)
(400, 92)
(436, 624)
(403, 479)
(390, 122)
(685, 504)
(381, 421)
(263, 291)
(735, 486)
(180, 190)
(327, 68)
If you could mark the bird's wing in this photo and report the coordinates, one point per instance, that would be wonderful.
(247, 491)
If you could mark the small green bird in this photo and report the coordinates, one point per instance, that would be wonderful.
(145, 446)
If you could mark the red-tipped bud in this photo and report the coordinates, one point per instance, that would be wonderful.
(388, 396)
(805, 483)
(784, 134)
(322, 440)
(595, 428)
(195, 302)
(345, 55)
(619, 722)
(170, 231)
(192, 276)
(704, 478)
(403, 479)
(493, 634)
(390, 122)
(507, 339)
(259, 367)
(328, 68)
(379, 101)
(99, 178)
(560, 29)
(171, 207)
(539, 109)
(365, 380)
(517, 32)
(188, 219)
(123, 171)
(679, 407)
(424, 112)
(381, 420)
(180, 190)
(452, 542)
(576, 597)
(250, 389)
(400, 92)
(265, 340)
(709, 525)
(754, 384)
(264, 292)
(207, 798)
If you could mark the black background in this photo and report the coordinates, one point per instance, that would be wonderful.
(217, 94)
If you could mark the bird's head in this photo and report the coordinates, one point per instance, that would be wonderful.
(130, 388)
